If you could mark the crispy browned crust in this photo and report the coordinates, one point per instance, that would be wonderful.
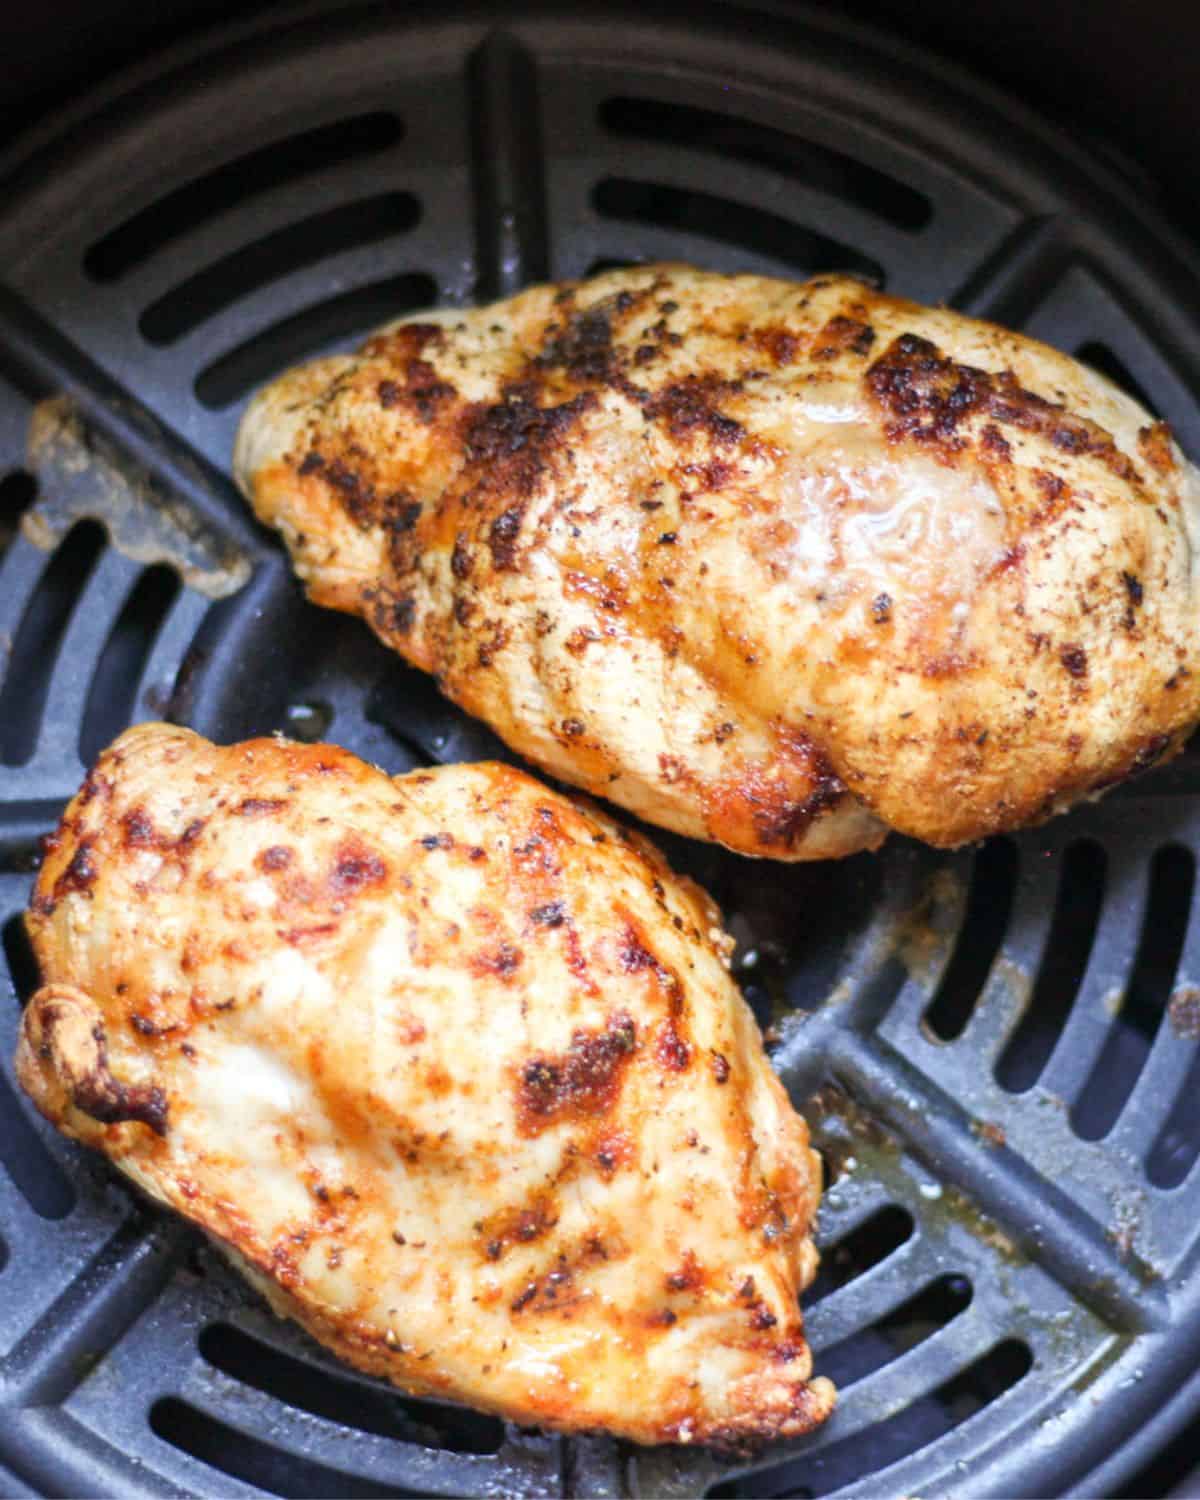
(697, 487)
(451, 1066)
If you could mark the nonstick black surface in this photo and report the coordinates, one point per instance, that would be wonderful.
(998, 1047)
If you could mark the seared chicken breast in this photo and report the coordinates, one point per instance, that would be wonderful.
(451, 1067)
(783, 566)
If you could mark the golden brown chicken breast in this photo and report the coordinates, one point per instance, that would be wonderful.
(453, 1068)
(779, 565)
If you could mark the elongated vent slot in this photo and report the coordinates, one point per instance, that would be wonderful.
(39, 635)
(240, 1455)
(867, 1245)
(340, 1397)
(113, 694)
(728, 222)
(1064, 961)
(808, 161)
(989, 908)
(919, 1318)
(234, 182)
(283, 253)
(1127, 1046)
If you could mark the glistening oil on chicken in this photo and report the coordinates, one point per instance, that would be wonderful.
(451, 1067)
(784, 566)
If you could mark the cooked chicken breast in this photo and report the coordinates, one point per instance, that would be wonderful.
(783, 566)
(453, 1069)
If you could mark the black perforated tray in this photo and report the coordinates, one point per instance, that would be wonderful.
(998, 1047)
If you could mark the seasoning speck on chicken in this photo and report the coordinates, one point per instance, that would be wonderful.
(453, 1069)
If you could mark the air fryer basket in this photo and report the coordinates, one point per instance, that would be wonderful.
(998, 1046)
